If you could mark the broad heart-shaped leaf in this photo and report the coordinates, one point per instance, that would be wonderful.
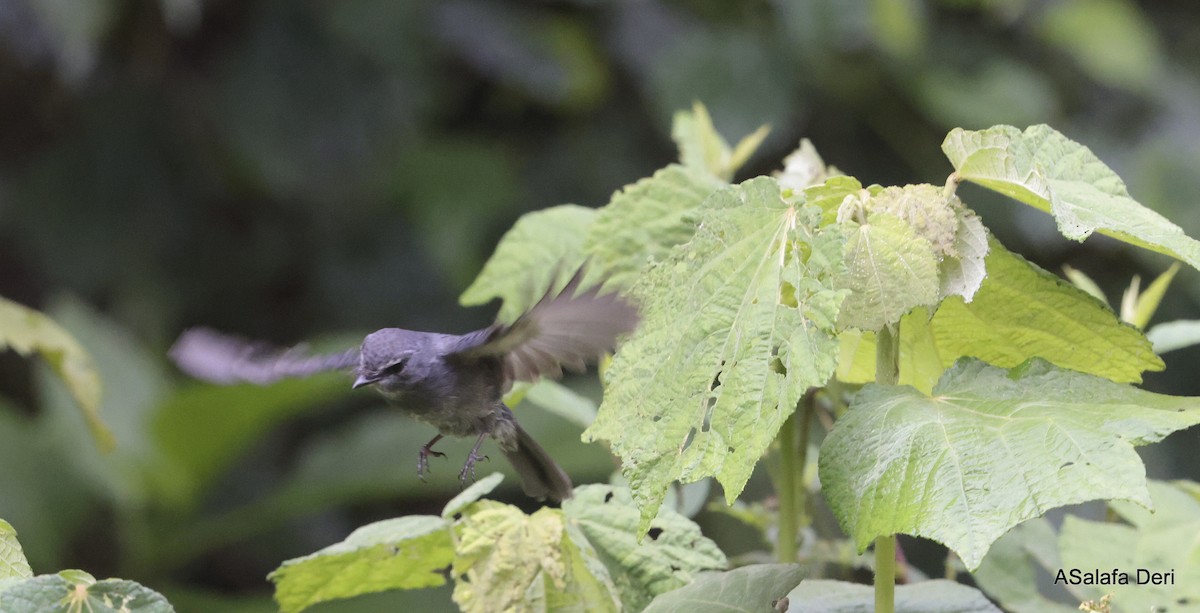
(1019, 312)
(645, 220)
(13, 564)
(939, 596)
(1167, 540)
(403, 553)
(1049, 171)
(750, 589)
(703, 149)
(509, 561)
(25, 331)
(74, 592)
(540, 246)
(670, 558)
(990, 449)
(889, 271)
(737, 324)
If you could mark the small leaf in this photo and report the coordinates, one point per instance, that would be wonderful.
(749, 589)
(1147, 303)
(507, 560)
(1048, 171)
(701, 148)
(403, 553)
(13, 564)
(804, 168)
(670, 558)
(72, 592)
(1079, 279)
(737, 324)
(645, 220)
(1159, 542)
(939, 596)
(1174, 335)
(540, 248)
(474, 492)
(889, 271)
(990, 449)
(25, 331)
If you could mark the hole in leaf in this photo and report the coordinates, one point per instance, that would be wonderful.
(457, 516)
(777, 366)
(654, 533)
(608, 497)
(1184, 601)
(656, 418)
(687, 442)
(675, 569)
(1066, 465)
(787, 295)
(708, 413)
(730, 449)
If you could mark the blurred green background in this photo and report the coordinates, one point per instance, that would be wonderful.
(306, 170)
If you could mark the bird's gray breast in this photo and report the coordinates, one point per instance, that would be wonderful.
(458, 398)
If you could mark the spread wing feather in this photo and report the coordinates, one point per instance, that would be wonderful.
(219, 358)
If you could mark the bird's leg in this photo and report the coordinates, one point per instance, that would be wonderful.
(423, 456)
(472, 458)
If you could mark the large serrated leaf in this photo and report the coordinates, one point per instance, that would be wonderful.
(990, 449)
(403, 553)
(890, 270)
(13, 564)
(74, 592)
(1051, 172)
(1167, 540)
(750, 589)
(25, 331)
(645, 220)
(940, 596)
(509, 561)
(670, 558)
(540, 246)
(1019, 312)
(737, 324)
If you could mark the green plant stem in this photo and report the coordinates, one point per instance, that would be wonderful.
(887, 372)
(786, 489)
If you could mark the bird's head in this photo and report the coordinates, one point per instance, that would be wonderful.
(383, 355)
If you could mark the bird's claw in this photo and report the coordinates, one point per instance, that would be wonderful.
(469, 467)
(423, 461)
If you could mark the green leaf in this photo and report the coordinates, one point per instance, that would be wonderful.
(1048, 171)
(804, 168)
(474, 492)
(556, 398)
(737, 324)
(25, 331)
(507, 560)
(1158, 542)
(1174, 335)
(1019, 312)
(939, 596)
(12, 560)
(1112, 40)
(645, 220)
(1009, 571)
(1080, 279)
(674, 553)
(1147, 303)
(990, 449)
(403, 553)
(749, 589)
(73, 592)
(701, 148)
(890, 271)
(539, 249)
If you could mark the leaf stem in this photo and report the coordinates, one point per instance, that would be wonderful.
(786, 490)
(887, 372)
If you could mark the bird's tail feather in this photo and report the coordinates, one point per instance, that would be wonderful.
(541, 476)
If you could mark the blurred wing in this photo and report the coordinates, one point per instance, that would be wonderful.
(567, 329)
(219, 358)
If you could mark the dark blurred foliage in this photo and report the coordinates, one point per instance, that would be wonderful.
(298, 169)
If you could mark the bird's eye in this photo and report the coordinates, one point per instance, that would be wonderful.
(394, 367)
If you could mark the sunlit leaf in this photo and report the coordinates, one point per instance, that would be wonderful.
(703, 149)
(890, 271)
(989, 449)
(670, 556)
(737, 324)
(12, 560)
(1148, 301)
(1051, 172)
(403, 553)
(1080, 279)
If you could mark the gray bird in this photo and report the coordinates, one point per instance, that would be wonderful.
(453, 382)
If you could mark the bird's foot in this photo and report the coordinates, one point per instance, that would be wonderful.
(469, 467)
(423, 457)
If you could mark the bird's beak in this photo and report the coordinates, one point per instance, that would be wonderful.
(363, 380)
